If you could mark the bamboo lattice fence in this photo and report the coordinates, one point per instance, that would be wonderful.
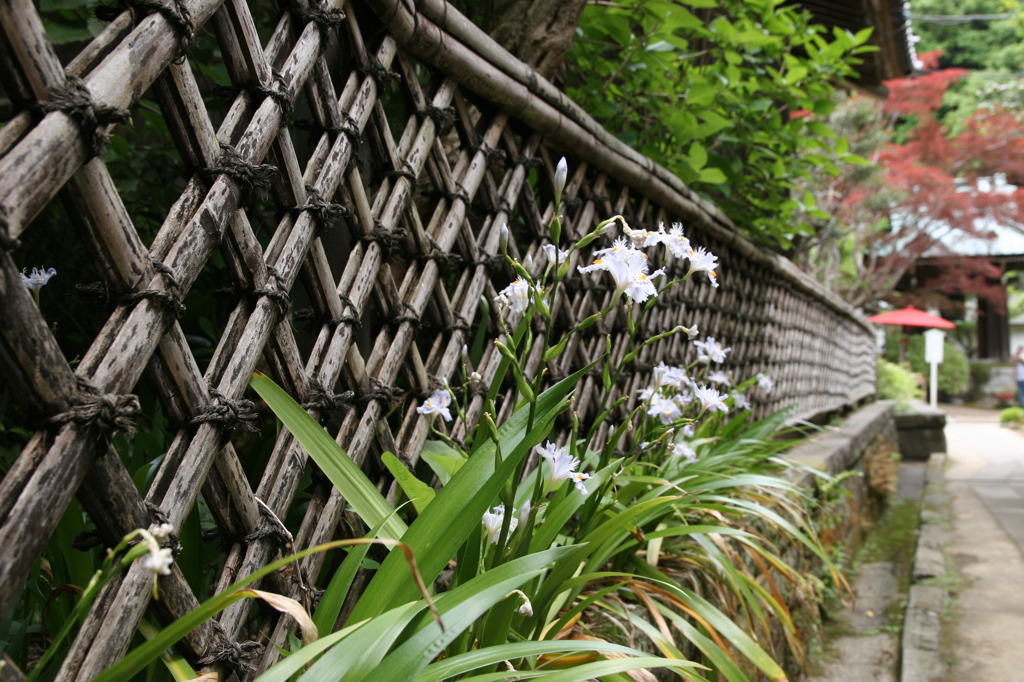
(348, 195)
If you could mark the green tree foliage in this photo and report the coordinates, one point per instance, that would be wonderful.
(980, 43)
(717, 92)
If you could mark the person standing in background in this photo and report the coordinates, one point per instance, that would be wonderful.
(1018, 363)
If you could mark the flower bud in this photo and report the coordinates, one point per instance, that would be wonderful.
(561, 174)
(503, 238)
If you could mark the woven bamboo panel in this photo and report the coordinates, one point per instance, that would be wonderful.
(337, 215)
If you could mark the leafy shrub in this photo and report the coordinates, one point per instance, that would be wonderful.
(1013, 416)
(896, 382)
(710, 94)
(954, 370)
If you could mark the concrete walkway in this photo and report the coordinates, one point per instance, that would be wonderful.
(964, 612)
(984, 612)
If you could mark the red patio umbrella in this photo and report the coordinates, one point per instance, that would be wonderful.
(911, 317)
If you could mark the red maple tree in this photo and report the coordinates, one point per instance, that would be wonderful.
(931, 193)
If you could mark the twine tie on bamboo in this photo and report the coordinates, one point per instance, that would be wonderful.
(170, 296)
(530, 162)
(382, 76)
(269, 524)
(459, 193)
(325, 19)
(406, 171)
(277, 293)
(105, 412)
(311, 595)
(461, 324)
(443, 117)
(319, 398)
(491, 261)
(497, 157)
(443, 258)
(327, 214)
(310, 317)
(176, 14)
(249, 176)
(380, 392)
(74, 99)
(229, 413)
(408, 316)
(238, 656)
(278, 93)
(388, 239)
(350, 129)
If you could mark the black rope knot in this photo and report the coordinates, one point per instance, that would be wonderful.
(105, 412)
(406, 171)
(177, 15)
(170, 296)
(229, 413)
(530, 162)
(327, 214)
(239, 656)
(350, 129)
(277, 293)
(311, 594)
(443, 117)
(75, 100)
(461, 324)
(408, 315)
(442, 258)
(325, 19)
(351, 320)
(381, 75)
(495, 156)
(248, 175)
(269, 524)
(388, 238)
(380, 392)
(319, 398)
(276, 93)
(491, 261)
(459, 193)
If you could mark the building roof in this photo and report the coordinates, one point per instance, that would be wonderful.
(1000, 243)
(890, 18)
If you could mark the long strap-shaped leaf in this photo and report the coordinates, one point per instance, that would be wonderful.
(479, 658)
(343, 473)
(448, 520)
(140, 657)
(360, 659)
